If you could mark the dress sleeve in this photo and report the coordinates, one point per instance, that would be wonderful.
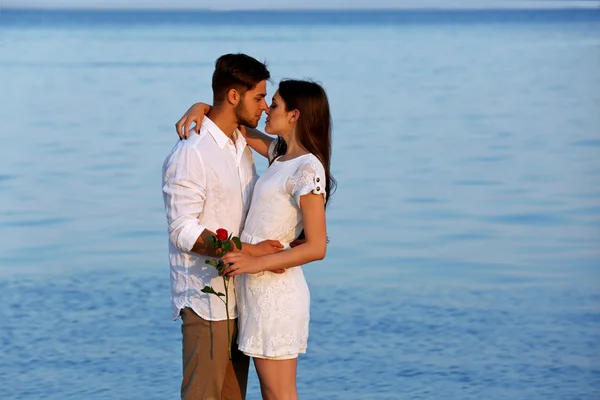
(271, 151)
(308, 178)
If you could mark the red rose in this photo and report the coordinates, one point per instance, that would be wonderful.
(222, 234)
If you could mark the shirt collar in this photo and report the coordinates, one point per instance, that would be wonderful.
(220, 137)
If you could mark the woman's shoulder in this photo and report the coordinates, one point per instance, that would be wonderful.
(307, 165)
(309, 176)
(311, 161)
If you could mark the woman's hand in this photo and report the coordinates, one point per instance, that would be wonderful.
(194, 114)
(241, 264)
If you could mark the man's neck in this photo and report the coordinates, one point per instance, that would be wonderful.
(225, 120)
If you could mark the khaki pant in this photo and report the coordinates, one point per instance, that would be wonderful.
(208, 373)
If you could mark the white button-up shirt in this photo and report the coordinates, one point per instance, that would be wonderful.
(207, 184)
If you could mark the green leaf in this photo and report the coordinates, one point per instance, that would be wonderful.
(212, 240)
(238, 242)
(221, 266)
(226, 247)
(209, 290)
(212, 262)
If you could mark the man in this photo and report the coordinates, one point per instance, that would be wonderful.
(207, 184)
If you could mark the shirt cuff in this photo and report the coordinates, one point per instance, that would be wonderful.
(188, 236)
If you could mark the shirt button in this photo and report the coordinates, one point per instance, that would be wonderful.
(318, 188)
(318, 179)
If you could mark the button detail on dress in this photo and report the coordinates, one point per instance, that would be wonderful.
(318, 179)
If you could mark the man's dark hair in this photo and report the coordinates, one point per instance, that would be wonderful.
(237, 71)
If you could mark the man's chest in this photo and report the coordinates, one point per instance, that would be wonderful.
(226, 173)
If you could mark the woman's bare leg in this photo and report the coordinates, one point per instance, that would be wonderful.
(277, 378)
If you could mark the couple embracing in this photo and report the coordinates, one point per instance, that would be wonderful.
(210, 183)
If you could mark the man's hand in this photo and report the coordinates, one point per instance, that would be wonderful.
(194, 114)
(267, 247)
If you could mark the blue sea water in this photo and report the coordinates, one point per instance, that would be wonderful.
(464, 260)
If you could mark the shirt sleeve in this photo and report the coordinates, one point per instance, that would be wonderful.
(308, 178)
(184, 194)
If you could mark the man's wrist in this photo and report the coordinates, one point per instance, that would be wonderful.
(233, 247)
(247, 249)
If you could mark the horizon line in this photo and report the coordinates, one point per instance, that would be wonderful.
(591, 7)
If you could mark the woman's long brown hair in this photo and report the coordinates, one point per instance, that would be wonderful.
(314, 125)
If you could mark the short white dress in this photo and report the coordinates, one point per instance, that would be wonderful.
(274, 309)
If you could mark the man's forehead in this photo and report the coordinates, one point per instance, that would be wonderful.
(260, 89)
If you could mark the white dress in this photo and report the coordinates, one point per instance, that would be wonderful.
(274, 309)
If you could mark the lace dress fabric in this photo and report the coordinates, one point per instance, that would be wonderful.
(274, 309)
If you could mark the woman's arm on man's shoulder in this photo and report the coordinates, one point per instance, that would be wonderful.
(256, 139)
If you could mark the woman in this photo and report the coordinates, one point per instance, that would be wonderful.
(289, 198)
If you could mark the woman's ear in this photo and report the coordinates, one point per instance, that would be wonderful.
(295, 116)
(233, 96)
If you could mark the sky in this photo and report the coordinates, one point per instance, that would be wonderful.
(297, 4)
